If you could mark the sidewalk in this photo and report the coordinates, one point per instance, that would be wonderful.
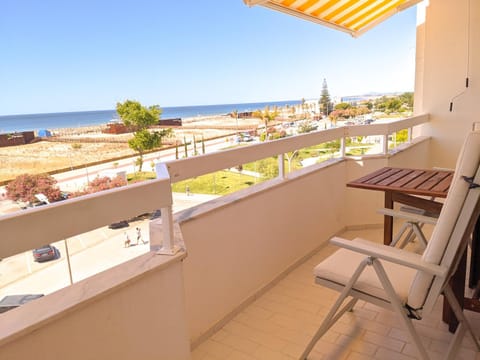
(90, 253)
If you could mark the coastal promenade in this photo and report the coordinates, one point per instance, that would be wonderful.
(91, 252)
(77, 179)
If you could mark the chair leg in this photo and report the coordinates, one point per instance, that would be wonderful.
(334, 314)
(410, 237)
(399, 308)
(402, 230)
(463, 324)
(417, 228)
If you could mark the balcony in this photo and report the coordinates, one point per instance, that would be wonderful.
(240, 285)
(280, 321)
(230, 278)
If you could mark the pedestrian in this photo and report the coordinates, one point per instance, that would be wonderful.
(127, 240)
(187, 190)
(139, 236)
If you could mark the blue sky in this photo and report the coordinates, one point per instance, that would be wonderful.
(76, 55)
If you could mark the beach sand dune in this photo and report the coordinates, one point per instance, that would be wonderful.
(79, 146)
(45, 156)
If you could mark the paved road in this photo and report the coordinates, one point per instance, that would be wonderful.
(91, 252)
(77, 179)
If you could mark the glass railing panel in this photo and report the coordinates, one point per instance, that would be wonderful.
(363, 145)
(311, 155)
(53, 266)
(397, 138)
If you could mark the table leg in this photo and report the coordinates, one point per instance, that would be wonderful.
(457, 282)
(475, 257)
(388, 220)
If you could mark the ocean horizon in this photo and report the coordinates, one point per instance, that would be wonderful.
(51, 121)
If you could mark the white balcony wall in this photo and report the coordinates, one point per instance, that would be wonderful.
(135, 310)
(448, 51)
(238, 244)
(132, 311)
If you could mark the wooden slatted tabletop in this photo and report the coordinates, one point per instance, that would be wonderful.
(433, 183)
(412, 187)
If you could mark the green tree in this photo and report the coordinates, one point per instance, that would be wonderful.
(393, 105)
(266, 115)
(268, 168)
(407, 100)
(306, 127)
(342, 106)
(133, 114)
(144, 140)
(325, 101)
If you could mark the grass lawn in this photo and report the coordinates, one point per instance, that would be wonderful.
(226, 182)
(219, 183)
(140, 176)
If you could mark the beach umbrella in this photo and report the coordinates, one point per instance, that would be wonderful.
(351, 16)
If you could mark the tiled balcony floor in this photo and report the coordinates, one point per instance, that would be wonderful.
(280, 323)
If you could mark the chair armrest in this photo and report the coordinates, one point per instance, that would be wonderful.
(408, 216)
(391, 254)
(439, 168)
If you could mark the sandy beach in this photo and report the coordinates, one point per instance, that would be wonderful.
(78, 146)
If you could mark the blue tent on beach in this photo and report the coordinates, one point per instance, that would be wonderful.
(44, 133)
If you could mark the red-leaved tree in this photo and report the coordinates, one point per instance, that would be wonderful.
(105, 183)
(25, 187)
(100, 184)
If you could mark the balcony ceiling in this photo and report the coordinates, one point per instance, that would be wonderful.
(351, 16)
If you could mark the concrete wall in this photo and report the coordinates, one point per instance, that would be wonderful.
(139, 314)
(244, 241)
(448, 50)
(14, 139)
(238, 244)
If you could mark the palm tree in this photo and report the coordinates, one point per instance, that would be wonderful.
(266, 115)
(235, 114)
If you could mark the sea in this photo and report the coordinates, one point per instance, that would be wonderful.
(50, 121)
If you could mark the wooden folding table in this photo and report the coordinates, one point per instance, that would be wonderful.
(419, 188)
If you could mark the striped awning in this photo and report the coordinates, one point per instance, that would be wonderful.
(352, 16)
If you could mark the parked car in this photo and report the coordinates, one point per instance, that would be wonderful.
(45, 253)
(156, 214)
(12, 301)
(118, 225)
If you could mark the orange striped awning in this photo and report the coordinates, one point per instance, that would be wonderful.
(351, 16)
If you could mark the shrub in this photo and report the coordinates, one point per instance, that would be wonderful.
(105, 183)
(25, 187)
(100, 184)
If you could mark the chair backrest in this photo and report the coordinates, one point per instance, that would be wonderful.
(448, 239)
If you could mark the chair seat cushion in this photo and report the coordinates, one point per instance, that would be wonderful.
(339, 267)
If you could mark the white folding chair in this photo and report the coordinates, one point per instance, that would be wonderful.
(414, 220)
(403, 281)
